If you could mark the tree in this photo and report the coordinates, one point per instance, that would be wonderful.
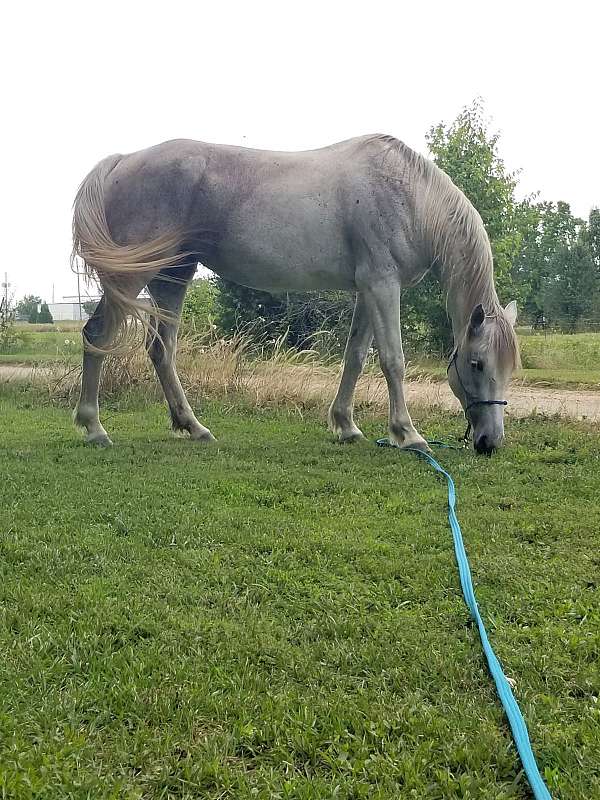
(570, 292)
(27, 308)
(546, 228)
(89, 306)
(592, 236)
(45, 316)
(468, 152)
(199, 306)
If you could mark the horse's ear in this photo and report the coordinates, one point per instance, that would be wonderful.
(477, 320)
(510, 312)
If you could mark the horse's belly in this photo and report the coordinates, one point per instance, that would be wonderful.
(277, 256)
(274, 273)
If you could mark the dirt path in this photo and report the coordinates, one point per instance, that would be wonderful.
(523, 400)
(319, 383)
(10, 373)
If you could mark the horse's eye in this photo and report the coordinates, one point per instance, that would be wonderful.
(478, 365)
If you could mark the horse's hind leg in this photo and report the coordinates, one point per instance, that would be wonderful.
(168, 291)
(340, 417)
(97, 332)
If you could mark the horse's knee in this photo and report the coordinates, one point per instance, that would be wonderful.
(85, 413)
(355, 359)
(161, 349)
(155, 348)
(392, 364)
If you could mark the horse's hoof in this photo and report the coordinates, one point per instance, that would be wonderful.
(98, 440)
(420, 445)
(205, 437)
(351, 438)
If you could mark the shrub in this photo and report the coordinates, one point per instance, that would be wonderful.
(45, 317)
(9, 338)
(199, 306)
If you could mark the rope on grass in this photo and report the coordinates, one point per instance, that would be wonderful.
(510, 705)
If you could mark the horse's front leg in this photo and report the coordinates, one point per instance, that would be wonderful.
(340, 416)
(382, 299)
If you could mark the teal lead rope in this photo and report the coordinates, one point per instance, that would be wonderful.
(515, 718)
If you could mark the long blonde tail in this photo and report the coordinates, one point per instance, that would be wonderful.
(118, 268)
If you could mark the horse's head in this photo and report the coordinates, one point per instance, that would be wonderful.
(480, 370)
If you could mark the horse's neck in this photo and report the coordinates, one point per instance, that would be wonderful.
(457, 310)
(462, 297)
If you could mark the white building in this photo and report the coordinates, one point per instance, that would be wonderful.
(69, 308)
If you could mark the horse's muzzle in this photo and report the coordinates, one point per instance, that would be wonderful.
(485, 445)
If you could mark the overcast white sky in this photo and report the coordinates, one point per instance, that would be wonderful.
(82, 80)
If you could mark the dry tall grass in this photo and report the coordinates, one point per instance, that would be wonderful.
(212, 366)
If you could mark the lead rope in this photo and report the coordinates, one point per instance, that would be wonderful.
(513, 712)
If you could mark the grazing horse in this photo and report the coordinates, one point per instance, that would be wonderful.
(367, 215)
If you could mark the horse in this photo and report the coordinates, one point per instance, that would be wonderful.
(368, 215)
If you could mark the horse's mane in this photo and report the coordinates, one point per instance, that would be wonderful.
(458, 243)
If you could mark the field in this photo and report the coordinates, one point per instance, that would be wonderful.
(554, 360)
(45, 344)
(278, 616)
(557, 360)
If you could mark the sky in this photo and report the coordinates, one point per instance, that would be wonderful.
(83, 80)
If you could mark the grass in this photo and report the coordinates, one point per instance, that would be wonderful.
(280, 617)
(554, 360)
(552, 377)
(561, 377)
(44, 346)
(39, 359)
(61, 326)
(578, 350)
(557, 360)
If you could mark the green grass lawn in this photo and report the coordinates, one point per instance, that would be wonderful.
(554, 360)
(279, 616)
(43, 346)
(558, 360)
(553, 377)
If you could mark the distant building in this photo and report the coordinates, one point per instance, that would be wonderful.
(69, 308)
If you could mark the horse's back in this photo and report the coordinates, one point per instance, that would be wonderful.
(276, 219)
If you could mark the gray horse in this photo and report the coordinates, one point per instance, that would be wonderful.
(368, 215)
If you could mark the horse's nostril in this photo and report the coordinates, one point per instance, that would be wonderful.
(484, 445)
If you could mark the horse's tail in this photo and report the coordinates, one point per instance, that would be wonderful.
(118, 268)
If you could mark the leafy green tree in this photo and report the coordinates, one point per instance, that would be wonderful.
(45, 316)
(546, 228)
(571, 290)
(469, 153)
(529, 269)
(200, 304)
(27, 308)
(89, 306)
(592, 236)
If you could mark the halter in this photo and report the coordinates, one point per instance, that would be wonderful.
(471, 401)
